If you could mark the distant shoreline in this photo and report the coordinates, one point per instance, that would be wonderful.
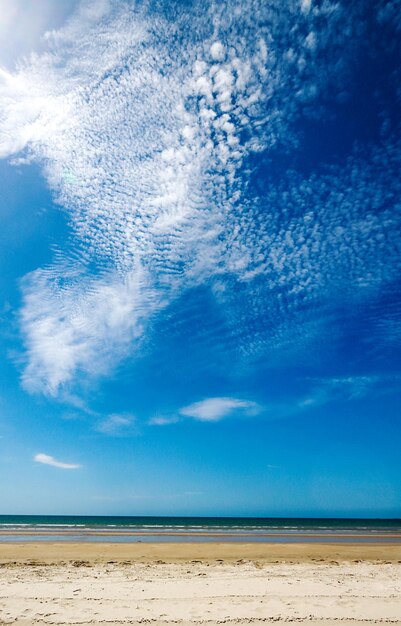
(119, 533)
(136, 529)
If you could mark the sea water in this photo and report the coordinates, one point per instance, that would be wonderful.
(124, 528)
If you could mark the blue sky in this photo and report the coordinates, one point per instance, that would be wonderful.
(200, 257)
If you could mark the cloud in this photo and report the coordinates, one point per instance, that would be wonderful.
(209, 410)
(116, 424)
(24, 24)
(217, 51)
(349, 388)
(148, 140)
(319, 392)
(160, 420)
(340, 388)
(215, 409)
(331, 391)
(81, 327)
(46, 459)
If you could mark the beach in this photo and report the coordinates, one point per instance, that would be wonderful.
(199, 583)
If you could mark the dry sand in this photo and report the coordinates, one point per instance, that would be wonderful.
(188, 584)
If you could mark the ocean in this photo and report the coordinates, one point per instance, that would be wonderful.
(148, 529)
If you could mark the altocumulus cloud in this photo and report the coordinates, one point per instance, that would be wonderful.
(46, 459)
(145, 123)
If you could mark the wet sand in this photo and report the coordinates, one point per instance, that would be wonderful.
(101, 552)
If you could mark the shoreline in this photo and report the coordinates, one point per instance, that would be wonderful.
(293, 535)
(89, 553)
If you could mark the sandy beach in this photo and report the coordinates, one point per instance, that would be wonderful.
(195, 583)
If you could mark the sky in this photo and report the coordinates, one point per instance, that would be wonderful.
(200, 254)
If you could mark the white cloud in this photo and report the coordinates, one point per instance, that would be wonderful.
(46, 459)
(82, 327)
(24, 23)
(305, 5)
(142, 141)
(217, 51)
(320, 392)
(332, 390)
(215, 409)
(116, 424)
(160, 420)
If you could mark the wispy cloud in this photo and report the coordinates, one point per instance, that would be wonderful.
(161, 420)
(319, 393)
(23, 26)
(116, 424)
(146, 140)
(215, 409)
(332, 391)
(46, 459)
(87, 326)
(340, 388)
(210, 410)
